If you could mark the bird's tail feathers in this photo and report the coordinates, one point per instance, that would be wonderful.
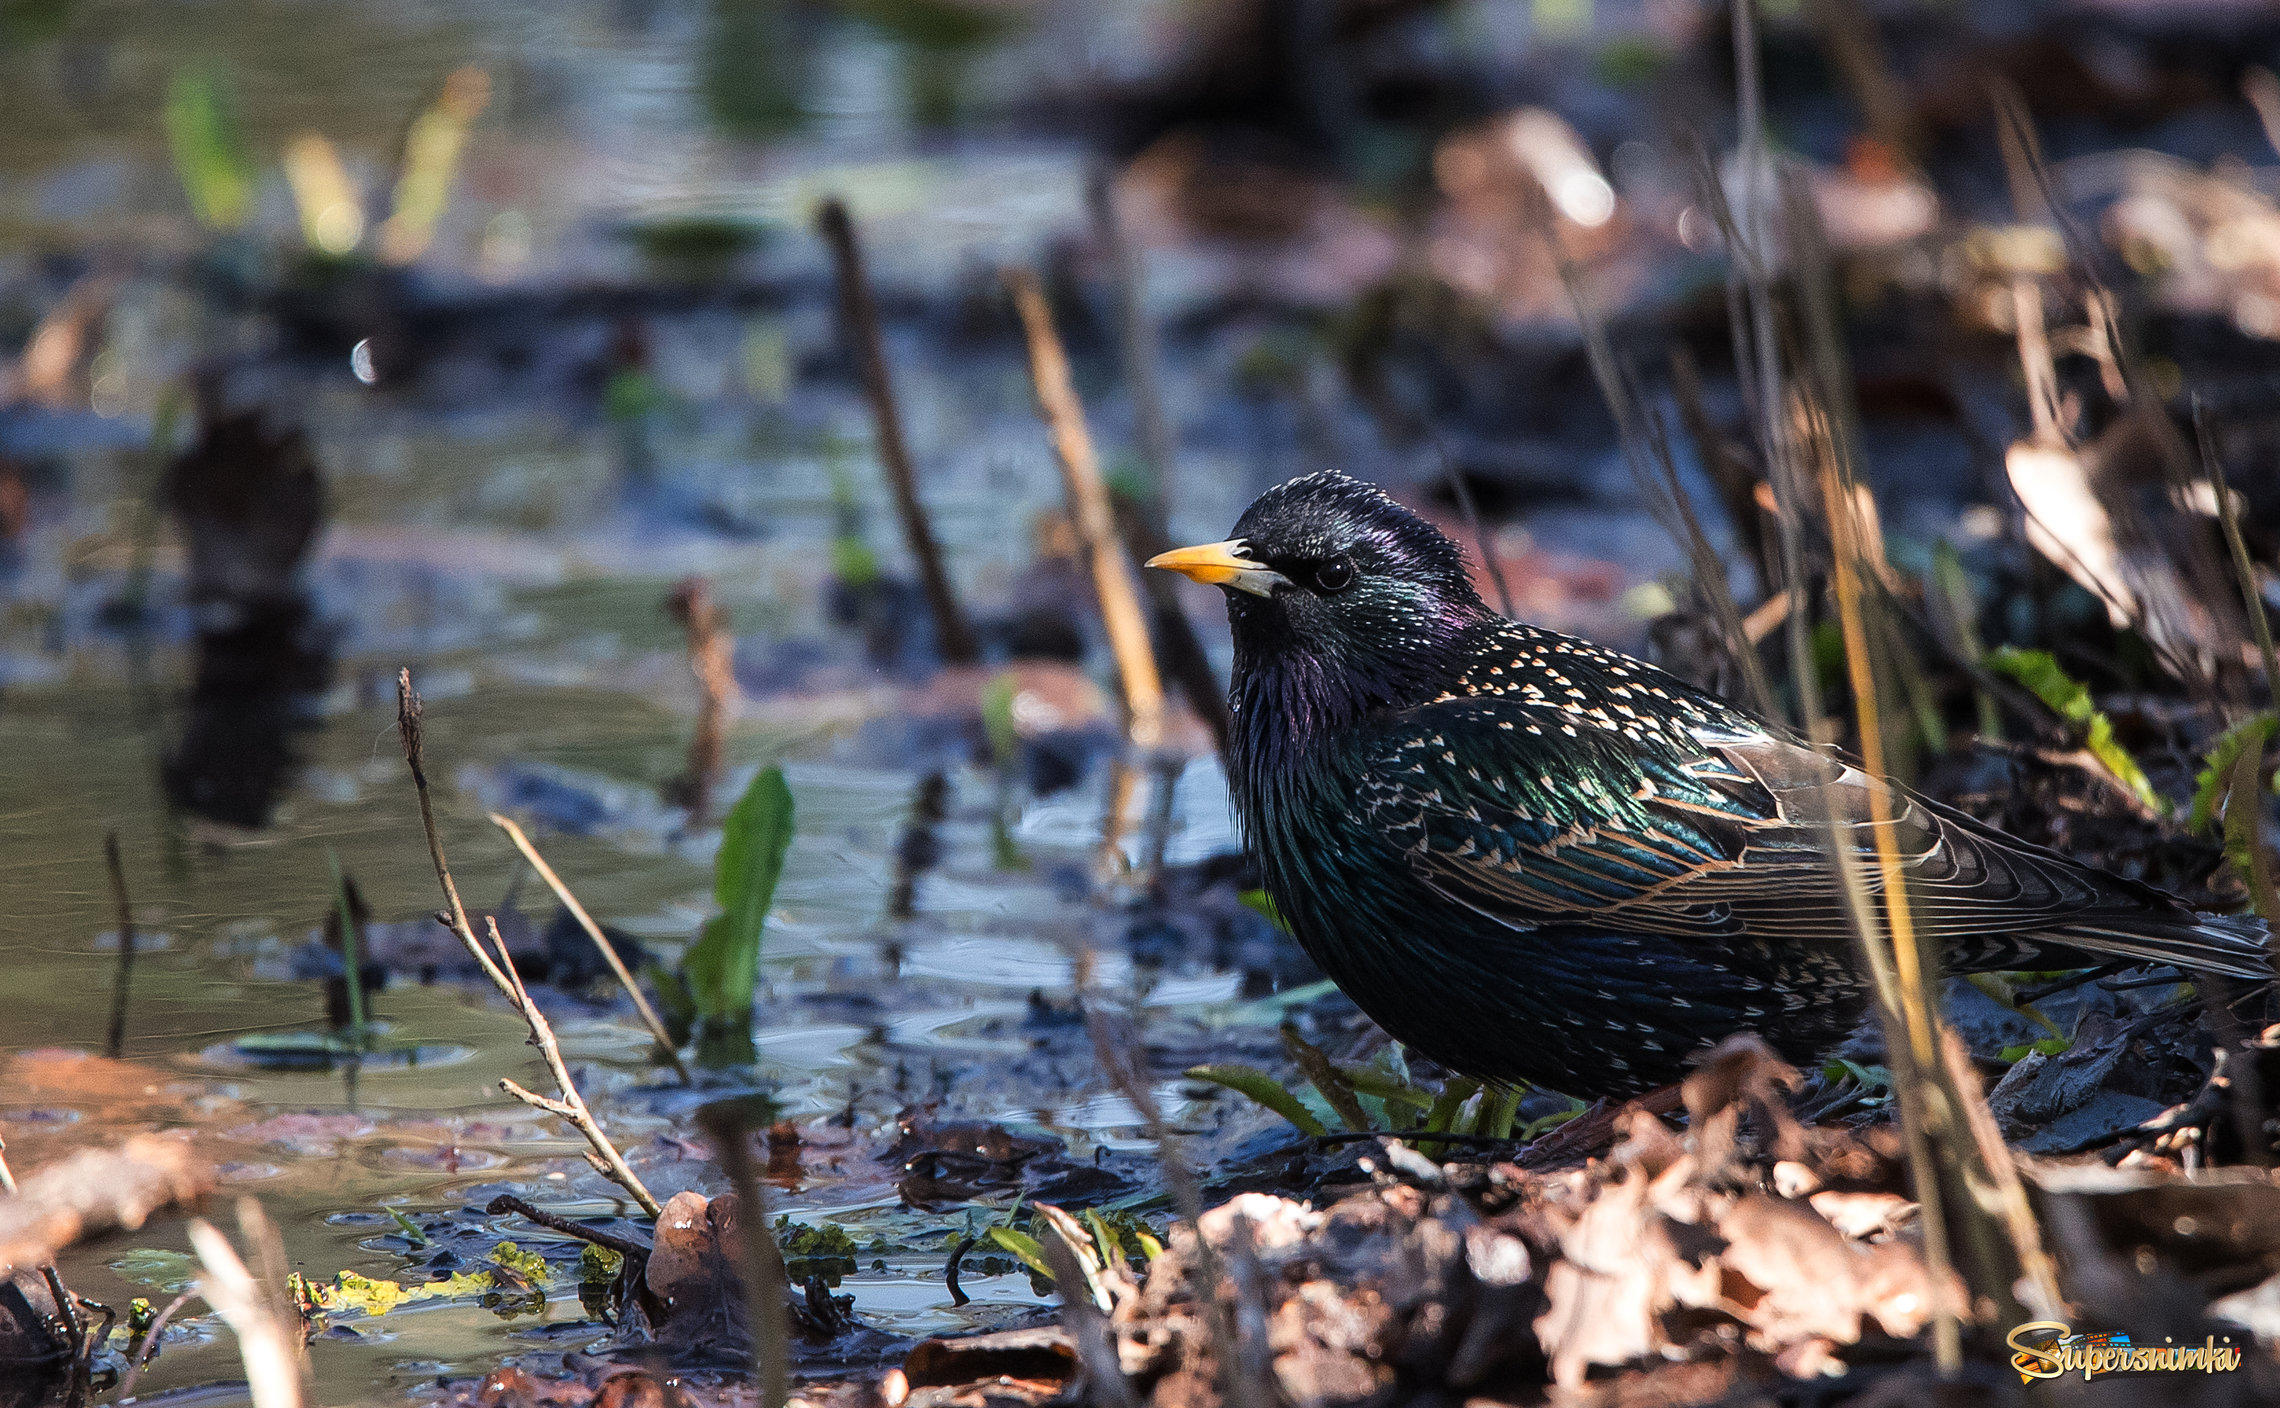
(2233, 945)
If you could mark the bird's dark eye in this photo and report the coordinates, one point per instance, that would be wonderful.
(1334, 574)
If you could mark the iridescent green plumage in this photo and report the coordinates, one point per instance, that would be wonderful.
(1533, 858)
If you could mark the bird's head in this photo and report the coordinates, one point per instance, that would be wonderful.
(1330, 580)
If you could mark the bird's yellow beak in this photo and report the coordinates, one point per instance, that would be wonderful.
(1221, 565)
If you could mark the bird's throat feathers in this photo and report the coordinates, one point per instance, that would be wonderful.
(1289, 700)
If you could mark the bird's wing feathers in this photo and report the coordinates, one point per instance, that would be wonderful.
(1532, 816)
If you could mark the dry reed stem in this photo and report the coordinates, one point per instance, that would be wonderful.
(271, 1374)
(602, 1154)
(1115, 581)
(115, 1039)
(859, 315)
(767, 1284)
(1143, 519)
(1123, 785)
(1912, 1012)
(1940, 1107)
(601, 941)
(712, 659)
(1758, 344)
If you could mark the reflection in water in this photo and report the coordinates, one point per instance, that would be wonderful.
(249, 502)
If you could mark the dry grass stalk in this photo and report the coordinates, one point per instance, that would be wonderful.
(1788, 421)
(1120, 1055)
(1730, 470)
(859, 316)
(1753, 322)
(601, 1153)
(1906, 1005)
(1462, 492)
(409, 714)
(767, 1285)
(1647, 451)
(601, 941)
(265, 1344)
(1086, 1323)
(1965, 1181)
(2228, 516)
(115, 1039)
(2007, 1198)
(1115, 581)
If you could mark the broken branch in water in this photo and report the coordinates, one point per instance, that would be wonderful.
(859, 317)
(594, 932)
(555, 1222)
(1115, 581)
(603, 1155)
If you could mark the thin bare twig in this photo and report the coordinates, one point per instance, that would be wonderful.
(767, 1284)
(555, 1222)
(859, 315)
(115, 1041)
(594, 932)
(602, 1154)
(409, 716)
(1115, 581)
(1462, 492)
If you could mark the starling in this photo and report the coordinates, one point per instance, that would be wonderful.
(1534, 859)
